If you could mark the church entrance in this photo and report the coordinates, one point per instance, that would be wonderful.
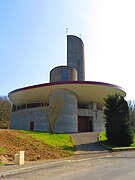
(84, 124)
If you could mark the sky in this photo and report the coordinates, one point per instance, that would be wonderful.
(33, 40)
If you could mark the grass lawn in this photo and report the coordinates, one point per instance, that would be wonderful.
(1, 164)
(103, 140)
(133, 144)
(2, 150)
(62, 141)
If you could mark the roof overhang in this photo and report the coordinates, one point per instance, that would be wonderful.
(86, 92)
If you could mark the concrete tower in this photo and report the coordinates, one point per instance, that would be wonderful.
(63, 73)
(75, 55)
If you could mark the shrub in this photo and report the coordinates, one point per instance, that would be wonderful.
(118, 124)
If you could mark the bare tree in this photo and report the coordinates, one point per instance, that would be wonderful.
(5, 110)
(54, 111)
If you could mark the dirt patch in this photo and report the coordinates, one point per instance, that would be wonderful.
(12, 141)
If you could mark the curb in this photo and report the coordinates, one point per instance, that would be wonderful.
(47, 165)
(123, 149)
(31, 168)
(106, 147)
(117, 149)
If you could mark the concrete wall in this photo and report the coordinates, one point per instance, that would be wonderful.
(63, 73)
(98, 121)
(21, 119)
(75, 55)
(68, 121)
(85, 112)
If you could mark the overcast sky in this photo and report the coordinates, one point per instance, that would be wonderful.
(33, 40)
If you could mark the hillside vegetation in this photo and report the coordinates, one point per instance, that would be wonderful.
(37, 145)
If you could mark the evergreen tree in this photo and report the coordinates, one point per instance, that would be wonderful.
(118, 124)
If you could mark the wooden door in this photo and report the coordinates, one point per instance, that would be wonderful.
(32, 125)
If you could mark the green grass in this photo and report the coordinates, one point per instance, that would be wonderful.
(104, 141)
(2, 150)
(133, 144)
(103, 136)
(1, 164)
(62, 141)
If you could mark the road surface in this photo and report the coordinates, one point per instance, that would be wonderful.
(120, 167)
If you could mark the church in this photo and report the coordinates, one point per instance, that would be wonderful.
(80, 103)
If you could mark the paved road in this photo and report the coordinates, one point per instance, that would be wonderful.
(87, 142)
(112, 168)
